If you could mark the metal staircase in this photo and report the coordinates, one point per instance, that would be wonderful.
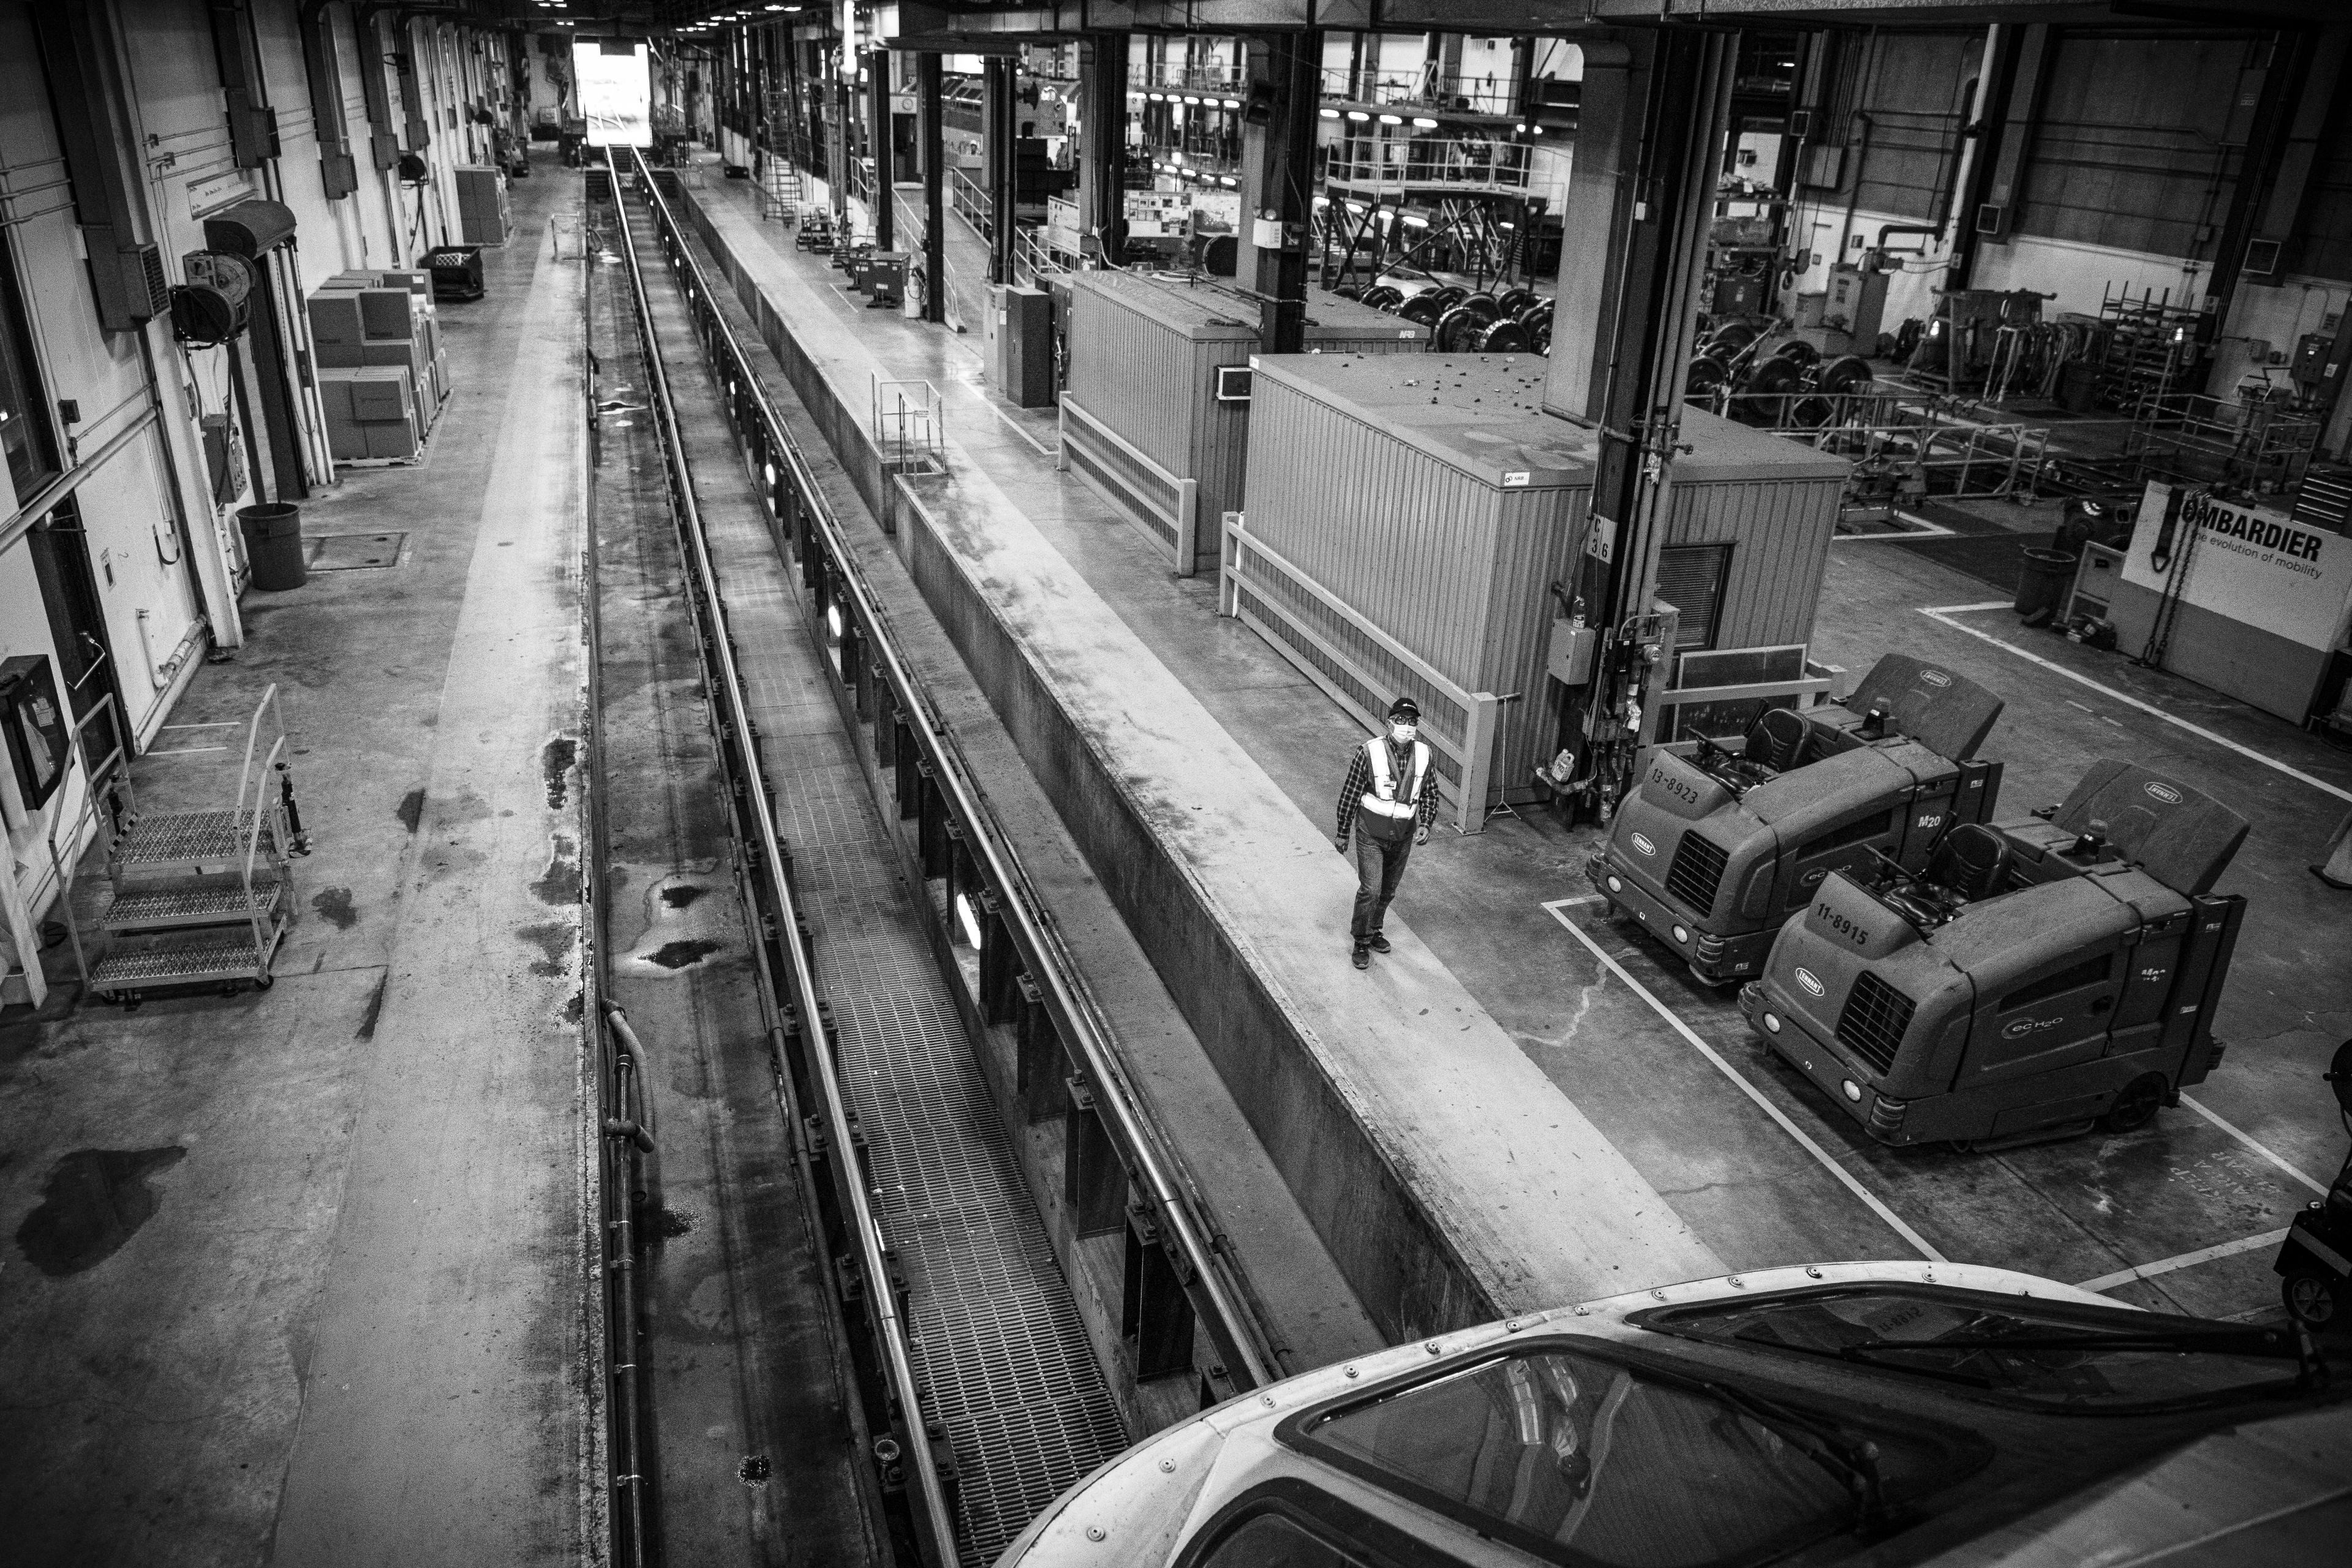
(200, 897)
(780, 196)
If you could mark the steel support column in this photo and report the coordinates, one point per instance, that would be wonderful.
(1278, 182)
(997, 153)
(928, 91)
(1102, 172)
(878, 142)
(1657, 129)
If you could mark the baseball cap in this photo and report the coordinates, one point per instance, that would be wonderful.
(1405, 708)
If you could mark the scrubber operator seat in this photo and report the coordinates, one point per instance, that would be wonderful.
(1970, 864)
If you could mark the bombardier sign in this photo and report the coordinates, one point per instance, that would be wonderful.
(2248, 563)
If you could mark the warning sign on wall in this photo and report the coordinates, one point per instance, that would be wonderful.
(2247, 562)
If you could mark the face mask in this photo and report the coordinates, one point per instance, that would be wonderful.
(1403, 732)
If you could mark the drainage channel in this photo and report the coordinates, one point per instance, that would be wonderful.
(890, 935)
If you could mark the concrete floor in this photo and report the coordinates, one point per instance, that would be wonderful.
(1761, 1171)
(324, 1304)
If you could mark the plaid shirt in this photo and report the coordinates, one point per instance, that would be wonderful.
(1359, 785)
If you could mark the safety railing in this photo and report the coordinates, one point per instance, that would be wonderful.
(1366, 165)
(1166, 505)
(969, 200)
(1428, 87)
(908, 425)
(1330, 642)
(1026, 975)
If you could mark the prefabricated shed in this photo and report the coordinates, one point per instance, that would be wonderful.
(1155, 413)
(1405, 519)
(1749, 516)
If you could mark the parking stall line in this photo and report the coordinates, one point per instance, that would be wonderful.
(2166, 1265)
(1943, 613)
(1557, 909)
(2275, 1158)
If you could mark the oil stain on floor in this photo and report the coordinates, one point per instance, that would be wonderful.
(94, 1201)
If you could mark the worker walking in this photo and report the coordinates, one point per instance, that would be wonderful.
(1389, 800)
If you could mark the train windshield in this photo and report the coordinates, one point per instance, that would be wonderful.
(2030, 1353)
(1599, 1462)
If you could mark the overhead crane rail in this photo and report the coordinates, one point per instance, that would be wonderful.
(1023, 960)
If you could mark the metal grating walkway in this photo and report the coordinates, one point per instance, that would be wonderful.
(997, 1337)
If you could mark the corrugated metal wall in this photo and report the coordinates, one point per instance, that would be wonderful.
(1220, 449)
(1780, 532)
(1133, 373)
(1454, 568)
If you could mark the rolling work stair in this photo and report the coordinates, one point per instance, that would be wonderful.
(201, 898)
(781, 195)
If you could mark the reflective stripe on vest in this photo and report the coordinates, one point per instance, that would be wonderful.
(1382, 799)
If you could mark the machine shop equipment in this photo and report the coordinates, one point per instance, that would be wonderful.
(2314, 1261)
(1716, 846)
(2037, 976)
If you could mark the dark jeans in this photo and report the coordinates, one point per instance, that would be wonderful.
(1380, 866)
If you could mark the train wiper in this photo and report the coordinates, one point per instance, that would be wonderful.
(2225, 1341)
(1852, 1460)
(2274, 1343)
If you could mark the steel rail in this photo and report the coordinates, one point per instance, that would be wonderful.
(1233, 1327)
(934, 1516)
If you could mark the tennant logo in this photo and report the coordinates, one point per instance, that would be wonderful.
(1642, 842)
(1934, 677)
(2163, 792)
(1805, 978)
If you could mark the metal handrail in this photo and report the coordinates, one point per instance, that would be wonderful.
(873, 1250)
(253, 847)
(1232, 1325)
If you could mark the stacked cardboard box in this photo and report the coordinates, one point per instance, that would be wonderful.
(482, 217)
(378, 321)
(371, 411)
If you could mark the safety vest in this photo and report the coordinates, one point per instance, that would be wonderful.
(1390, 802)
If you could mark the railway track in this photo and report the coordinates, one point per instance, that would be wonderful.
(897, 924)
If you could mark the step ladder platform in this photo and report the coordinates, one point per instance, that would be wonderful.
(213, 957)
(189, 843)
(170, 909)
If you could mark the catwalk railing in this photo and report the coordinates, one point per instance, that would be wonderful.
(1027, 976)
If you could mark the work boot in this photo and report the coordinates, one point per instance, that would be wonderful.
(1379, 942)
(1363, 957)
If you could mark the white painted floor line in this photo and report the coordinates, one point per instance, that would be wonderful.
(1963, 609)
(221, 724)
(1557, 909)
(2187, 1259)
(1943, 615)
(179, 750)
(1015, 425)
(1558, 904)
(2266, 1153)
(1920, 529)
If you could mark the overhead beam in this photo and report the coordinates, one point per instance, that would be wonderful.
(944, 24)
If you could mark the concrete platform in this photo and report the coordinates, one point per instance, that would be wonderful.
(298, 1275)
(1661, 1070)
(1449, 1178)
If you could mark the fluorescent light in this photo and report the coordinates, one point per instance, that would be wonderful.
(832, 619)
(1358, 114)
(969, 919)
(1233, 103)
(1413, 220)
(1227, 180)
(1391, 119)
(1192, 97)
(1330, 114)
(1421, 123)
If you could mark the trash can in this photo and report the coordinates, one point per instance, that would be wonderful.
(273, 545)
(2041, 585)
